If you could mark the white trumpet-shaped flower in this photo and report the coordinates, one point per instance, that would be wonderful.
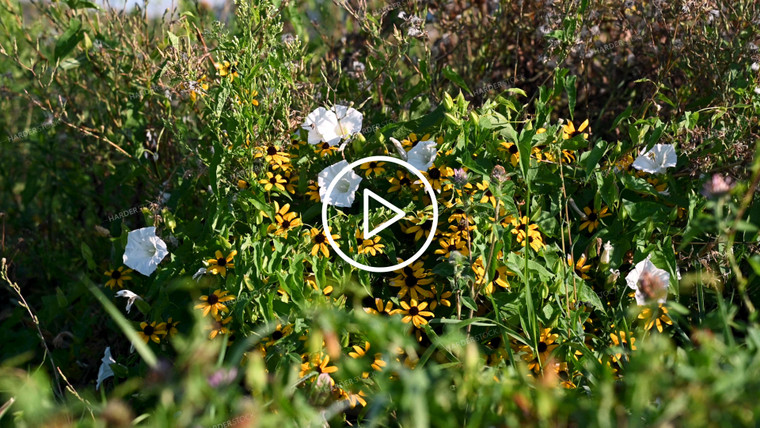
(131, 297)
(144, 250)
(422, 155)
(332, 126)
(650, 282)
(343, 193)
(657, 160)
(104, 372)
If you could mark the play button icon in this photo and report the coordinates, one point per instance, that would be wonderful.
(399, 213)
(368, 196)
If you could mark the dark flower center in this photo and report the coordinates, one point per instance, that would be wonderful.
(488, 193)
(408, 271)
(318, 369)
(221, 261)
(273, 180)
(542, 347)
(320, 238)
(271, 150)
(434, 173)
(325, 146)
(413, 311)
(405, 181)
(149, 330)
(593, 216)
(513, 149)
(368, 302)
(564, 375)
(372, 165)
(277, 335)
(115, 274)
(286, 224)
(410, 281)
(452, 247)
(213, 299)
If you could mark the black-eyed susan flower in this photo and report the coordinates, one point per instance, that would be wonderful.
(499, 277)
(371, 246)
(311, 280)
(569, 130)
(219, 326)
(626, 342)
(376, 306)
(546, 344)
(272, 155)
(214, 302)
(117, 277)
(400, 182)
(273, 181)
(442, 300)
(219, 264)
(487, 195)
(512, 152)
(320, 243)
(658, 318)
(171, 326)
(412, 140)
(285, 221)
(319, 364)
(279, 332)
(437, 177)
(419, 227)
(151, 331)
(414, 312)
(411, 279)
(580, 267)
(325, 149)
(452, 243)
(373, 167)
(591, 221)
(526, 232)
(313, 191)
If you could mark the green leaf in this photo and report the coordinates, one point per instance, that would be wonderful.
(87, 255)
(571, 94)
(452, 75)
(69, 39)
(174, 40)
(62, 300)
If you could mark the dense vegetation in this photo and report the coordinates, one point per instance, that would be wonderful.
(595, 261)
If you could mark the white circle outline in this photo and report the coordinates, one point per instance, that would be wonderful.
(429, 190)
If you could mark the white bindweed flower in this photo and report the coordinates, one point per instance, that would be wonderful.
(104, 372)
(131, 297)
(144, 250)
(657, 160)
(334, 125)
(321, 124)
(606, 253)
(200, 273)
(349, 121)
(422, 155)
(343, 193)
(650, 282)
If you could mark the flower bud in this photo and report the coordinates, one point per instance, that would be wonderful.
(606, 252)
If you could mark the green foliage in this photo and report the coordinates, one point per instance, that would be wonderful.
(518, 314)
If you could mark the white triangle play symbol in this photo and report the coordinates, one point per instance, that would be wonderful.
(399, 214)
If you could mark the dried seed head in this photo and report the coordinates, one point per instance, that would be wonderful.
(460, 177)
(499, 174)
